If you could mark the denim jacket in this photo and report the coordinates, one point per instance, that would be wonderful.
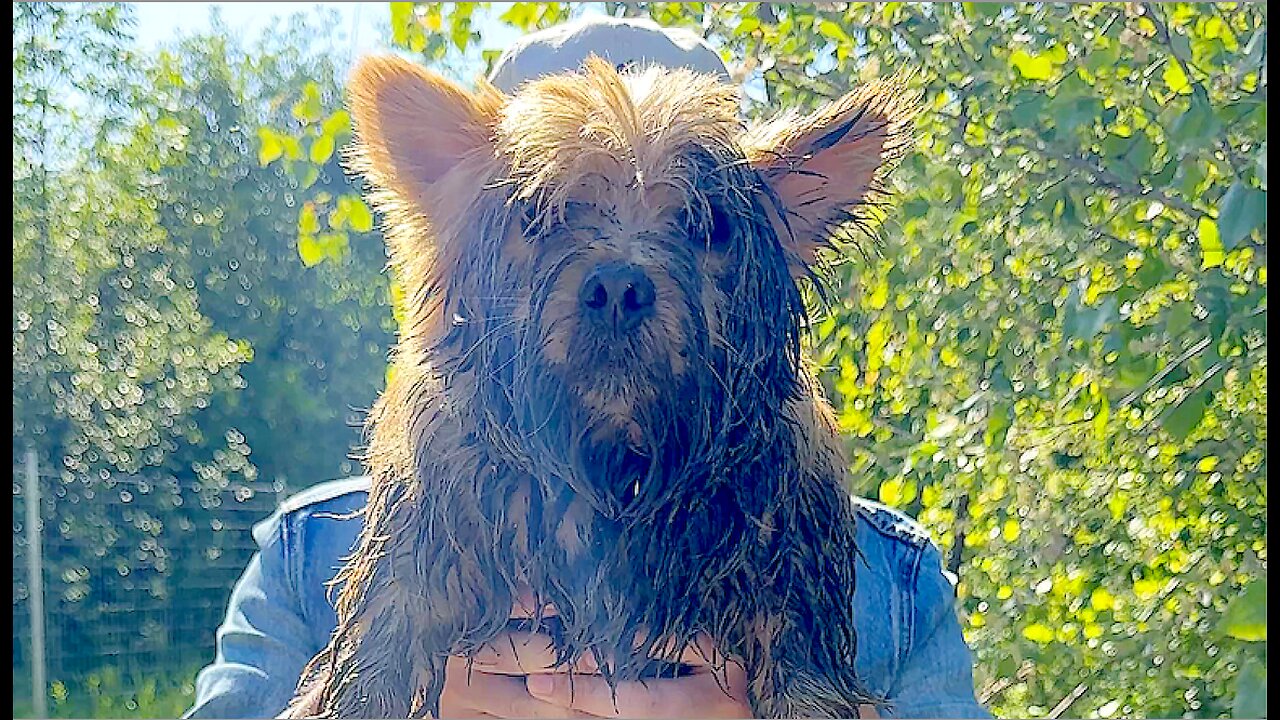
(909, 650)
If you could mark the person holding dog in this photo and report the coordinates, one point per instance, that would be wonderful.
(910, 647)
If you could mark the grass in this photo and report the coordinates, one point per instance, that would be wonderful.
(110, 693)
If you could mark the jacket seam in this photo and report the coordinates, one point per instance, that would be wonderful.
(892, 527)
(291, 535)
(912, 583)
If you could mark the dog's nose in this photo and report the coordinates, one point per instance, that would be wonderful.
(618, 295)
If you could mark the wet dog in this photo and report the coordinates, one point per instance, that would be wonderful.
(599, 394)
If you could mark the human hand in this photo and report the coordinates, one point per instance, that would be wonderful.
(493, 685)
(516, 676)
(706, 692)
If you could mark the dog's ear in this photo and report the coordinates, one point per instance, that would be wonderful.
(828, 169)
(414, 126)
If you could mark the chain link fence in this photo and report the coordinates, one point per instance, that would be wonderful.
(136, 573)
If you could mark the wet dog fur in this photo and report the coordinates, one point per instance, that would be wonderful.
(598, 392)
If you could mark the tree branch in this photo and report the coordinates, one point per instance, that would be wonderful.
(1113, 182)
(1066, 702)
(1190, 353)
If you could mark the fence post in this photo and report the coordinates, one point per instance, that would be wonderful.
(35, 587)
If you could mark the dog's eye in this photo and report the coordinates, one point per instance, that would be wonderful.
(721, 230)
(525, 217)
(714, 230)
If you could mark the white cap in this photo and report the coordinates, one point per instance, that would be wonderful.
(625, 42)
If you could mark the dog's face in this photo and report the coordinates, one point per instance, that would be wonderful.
(613, 248)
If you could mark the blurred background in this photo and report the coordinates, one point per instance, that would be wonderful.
(1055, 359)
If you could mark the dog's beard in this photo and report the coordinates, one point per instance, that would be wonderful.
(613, 421)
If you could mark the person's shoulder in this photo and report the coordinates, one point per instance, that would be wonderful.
(335, 496)
(884, 524)
(899, 547)
(333, 499)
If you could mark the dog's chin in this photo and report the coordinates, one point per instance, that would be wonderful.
(618, 402)
(615, 406)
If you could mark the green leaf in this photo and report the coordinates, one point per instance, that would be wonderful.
(1072, 113)
(401, 20)
(339, 123)
(1146, 588)
(1175, 79)
(998, 422)
(333, 245)
(1211, 251)
(321, 149)
(1140, 153)
(1032, 67)
(982, 10)
(1242, 209)
(1208, 464)
(270, 147)
(461, 37)
(309, 179)
(1189, 176)
(1198, 125)
(1010, 530)
(1251, 690)
(833, 31)
(338, 218)
(890, 492)
(1039, 633)
(292, 147)
(1101, 418)
(1246, 616)
(522, 15)
(308, 109)
(308, 222)
(1178, 319)
(1028, 108)
(359, 216)
(1186, 416)
(1154, 271)
(310, 251)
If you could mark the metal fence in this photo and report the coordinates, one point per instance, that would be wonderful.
(126, 573)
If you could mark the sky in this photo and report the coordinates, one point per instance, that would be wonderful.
(364, 25)
(362, 28)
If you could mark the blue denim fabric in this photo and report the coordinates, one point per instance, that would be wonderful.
(909, 650)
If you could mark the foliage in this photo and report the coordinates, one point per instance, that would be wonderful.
(107, 693)
(163, 327)
(1056, 356)
(319, 335)
(112, 357)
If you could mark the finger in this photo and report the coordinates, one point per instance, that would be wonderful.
(691, 696)
(517, 653)
(700, 655)
(526, 603)
(475, 693)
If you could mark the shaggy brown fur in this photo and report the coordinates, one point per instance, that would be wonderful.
(678, 478)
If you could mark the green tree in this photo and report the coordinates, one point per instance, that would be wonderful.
(162, 325)
(112, 358)
(319, 332)
(114, 363)
(1055, 357)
